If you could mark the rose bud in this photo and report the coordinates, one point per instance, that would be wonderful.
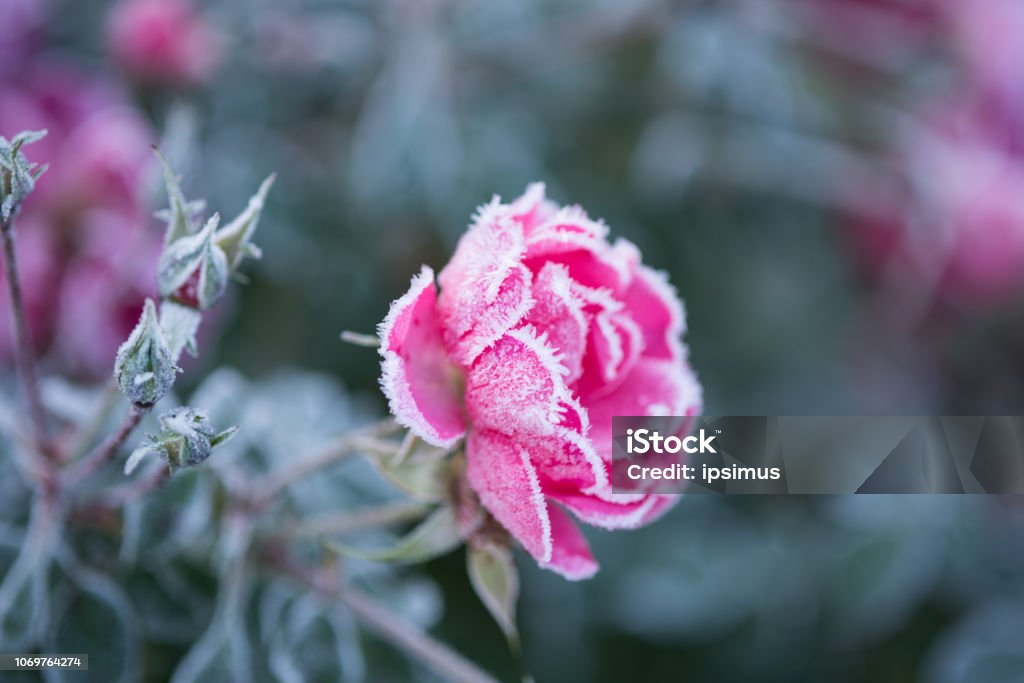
(17, 176)
(144, 368)
(185, 440)
(193, 270)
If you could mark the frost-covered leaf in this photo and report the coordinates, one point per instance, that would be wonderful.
(24, 590)
(181, 214)
(224, 652)
(424, 476)
(96, 619)
(435, 536)
(307, 640)
(235, 237)
(180, 325)
(17, 175)
(492, 571)
(24, 598)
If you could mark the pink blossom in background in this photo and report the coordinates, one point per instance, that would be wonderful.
(162, 42)
(85, 240)
(957, 227)
(541, 332)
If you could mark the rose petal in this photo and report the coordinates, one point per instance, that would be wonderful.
(504, 477)
(566, 460)
(653, 304)
(485, 289)
(518, 387)
(533, 208)
(570, 553)
(420, 383)
(558, 313)
(614, 345)
(610, 514)
(500, 472)
(571, 238)
(653, 387)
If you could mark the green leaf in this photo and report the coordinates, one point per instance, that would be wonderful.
(234, 237)
(180, 324)
(181, 214)
(492, 571)
(422, 477)
(435, 536)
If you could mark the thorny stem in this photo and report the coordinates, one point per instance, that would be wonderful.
(106, 450)
(22, 341)
(432, 653)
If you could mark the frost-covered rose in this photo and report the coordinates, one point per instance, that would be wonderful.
(541, 332)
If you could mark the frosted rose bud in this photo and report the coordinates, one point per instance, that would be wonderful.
(162, 42)
(541, 332)
(193, 270)
(144, 367)
(17, 175)
(185, 440)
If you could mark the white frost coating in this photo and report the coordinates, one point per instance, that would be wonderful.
(632, 520)
(540, 504)
(510, 321)
(532, 197)
(593, 459)
(551, 361)
(393, 382)
(574, 215)
(658, 281)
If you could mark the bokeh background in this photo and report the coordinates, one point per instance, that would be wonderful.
(836, 188)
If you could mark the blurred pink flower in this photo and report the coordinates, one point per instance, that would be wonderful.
(957, 226)
(987, 35)
(87, 254)
(162, 42)
(541, 333)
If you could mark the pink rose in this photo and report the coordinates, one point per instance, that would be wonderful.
(542, 331)
(957, 224)
(87, 246)
(162, 42)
